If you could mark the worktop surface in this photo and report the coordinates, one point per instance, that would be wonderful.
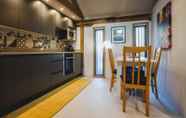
(33, 51)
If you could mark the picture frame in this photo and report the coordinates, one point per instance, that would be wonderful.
(164, 26)
(118, 34)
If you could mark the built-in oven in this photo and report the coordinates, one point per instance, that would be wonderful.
(68, 63)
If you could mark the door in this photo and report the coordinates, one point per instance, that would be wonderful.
(99, 51)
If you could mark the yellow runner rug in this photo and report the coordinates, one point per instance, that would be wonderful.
(48, 105)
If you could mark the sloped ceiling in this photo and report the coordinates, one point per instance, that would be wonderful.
(73, 6)
(68, 8)
(93, 9)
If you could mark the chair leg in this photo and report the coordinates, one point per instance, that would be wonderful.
(112, 83)
(144, 96)
(156, 87)
(124, 99)
(130, 92)
(147, 102)
(121, 90)
(152, 84)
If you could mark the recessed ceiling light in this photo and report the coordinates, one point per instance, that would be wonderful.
(65, 18)
(53, 12)
(62, 8)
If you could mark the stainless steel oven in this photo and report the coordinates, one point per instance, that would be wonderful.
(68, 63)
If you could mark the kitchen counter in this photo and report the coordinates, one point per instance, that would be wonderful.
(33, 51)
(26, 76)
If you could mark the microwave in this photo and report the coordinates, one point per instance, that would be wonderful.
(65, 34)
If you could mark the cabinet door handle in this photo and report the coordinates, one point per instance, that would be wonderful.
(54, 61)
(54, 73)
(70, 58)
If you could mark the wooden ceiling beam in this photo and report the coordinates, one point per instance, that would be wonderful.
(73, 7)
(115, 19)
(77, 8)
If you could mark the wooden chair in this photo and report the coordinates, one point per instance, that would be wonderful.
(112, 65)
(137, 75)
(154, 71)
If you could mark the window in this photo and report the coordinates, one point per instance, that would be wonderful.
(141, 35)
(99, 51)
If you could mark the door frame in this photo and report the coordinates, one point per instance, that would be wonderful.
(94, 31)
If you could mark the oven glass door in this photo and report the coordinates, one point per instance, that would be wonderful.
(69, 64)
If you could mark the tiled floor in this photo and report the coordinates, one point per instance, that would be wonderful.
(96, 101)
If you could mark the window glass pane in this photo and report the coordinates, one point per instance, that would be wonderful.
(99, 51)
(140, 38)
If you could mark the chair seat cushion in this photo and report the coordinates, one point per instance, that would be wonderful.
(129, 76)
(115, 71)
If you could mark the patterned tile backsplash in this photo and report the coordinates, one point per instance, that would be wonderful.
(17, 38)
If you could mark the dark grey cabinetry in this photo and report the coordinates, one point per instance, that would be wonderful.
(74, 62)
(26, 77)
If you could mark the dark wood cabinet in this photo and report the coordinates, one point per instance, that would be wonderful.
(27, 77)
(30, 15)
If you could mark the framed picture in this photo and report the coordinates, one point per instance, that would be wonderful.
(118, 34)
(165, 27)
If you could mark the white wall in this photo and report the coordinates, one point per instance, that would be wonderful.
(77, 38)
(172, 76)
(88, 52)
(117, 48)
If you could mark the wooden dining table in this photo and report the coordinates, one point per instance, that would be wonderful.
(119, 63)
(119, 60)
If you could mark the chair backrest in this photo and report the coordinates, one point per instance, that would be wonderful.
(136, 62)
(157, 59)
(111, 58)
